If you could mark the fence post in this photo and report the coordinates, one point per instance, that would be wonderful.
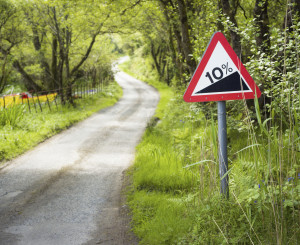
(55, 100)
(34, 103)
(37, 95)
(28, 104)
(48, 102)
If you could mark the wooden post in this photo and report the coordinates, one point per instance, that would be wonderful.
(34, 104)
(48, 102)
(55, 101)
(37, 95)
(28, 104)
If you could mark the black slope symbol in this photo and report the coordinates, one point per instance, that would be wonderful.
(231, 83)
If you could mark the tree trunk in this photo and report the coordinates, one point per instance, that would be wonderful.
(54, 68)
(94, 76)
(60, 69)
(29, 83)
(173, 28)
(262, 22)
(47, 76)
(235, 37)
(3, 77)
(186, 42)
(293, 10)
(219, 22)
(263, 42)
(61, 57)
(154, 55)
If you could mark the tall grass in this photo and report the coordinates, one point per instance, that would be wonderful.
(12, 115)
(175, 198)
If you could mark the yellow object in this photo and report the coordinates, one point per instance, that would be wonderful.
(11, 100)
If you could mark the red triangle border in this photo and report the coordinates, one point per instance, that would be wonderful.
(219, 37)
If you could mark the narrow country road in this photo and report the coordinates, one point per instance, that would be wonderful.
(67, 190)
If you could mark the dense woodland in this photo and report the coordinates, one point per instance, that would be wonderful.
(50, 45)
(263, 207)
(263, 33)
(47, 45)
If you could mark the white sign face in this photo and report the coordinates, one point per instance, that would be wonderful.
(220, 75)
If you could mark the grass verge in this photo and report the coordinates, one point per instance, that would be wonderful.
(175, 195)
(33, 128)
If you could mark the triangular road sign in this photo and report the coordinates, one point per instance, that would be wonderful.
(220, 75)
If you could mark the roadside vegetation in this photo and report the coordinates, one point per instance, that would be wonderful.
(175, 196)
(21, 130)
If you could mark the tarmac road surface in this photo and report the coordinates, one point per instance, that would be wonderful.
(67, 190)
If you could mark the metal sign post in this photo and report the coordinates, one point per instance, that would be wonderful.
(223, 160)
(221, 76)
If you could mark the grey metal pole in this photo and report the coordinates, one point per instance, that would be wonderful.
(223, 160)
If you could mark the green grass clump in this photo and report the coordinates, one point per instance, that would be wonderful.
(12, 115)
(159, 218)
(27, 130)
(159, 165)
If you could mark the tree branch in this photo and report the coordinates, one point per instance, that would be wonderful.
(84, 58)
(30, 84)
(131, 7)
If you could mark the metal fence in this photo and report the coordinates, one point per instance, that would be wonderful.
(38, 101)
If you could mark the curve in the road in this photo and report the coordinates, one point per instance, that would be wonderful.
(67, 190)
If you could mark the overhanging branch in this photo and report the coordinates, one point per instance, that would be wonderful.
(131, 7)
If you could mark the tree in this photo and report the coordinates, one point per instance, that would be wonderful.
(8, 39)
(230, 11)
(262, 22)
(60, 36)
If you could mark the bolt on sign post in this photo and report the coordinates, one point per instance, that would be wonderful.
(221, 76)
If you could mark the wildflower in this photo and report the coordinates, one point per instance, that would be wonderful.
(258, 185)
(290, 178)
(298, 175)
